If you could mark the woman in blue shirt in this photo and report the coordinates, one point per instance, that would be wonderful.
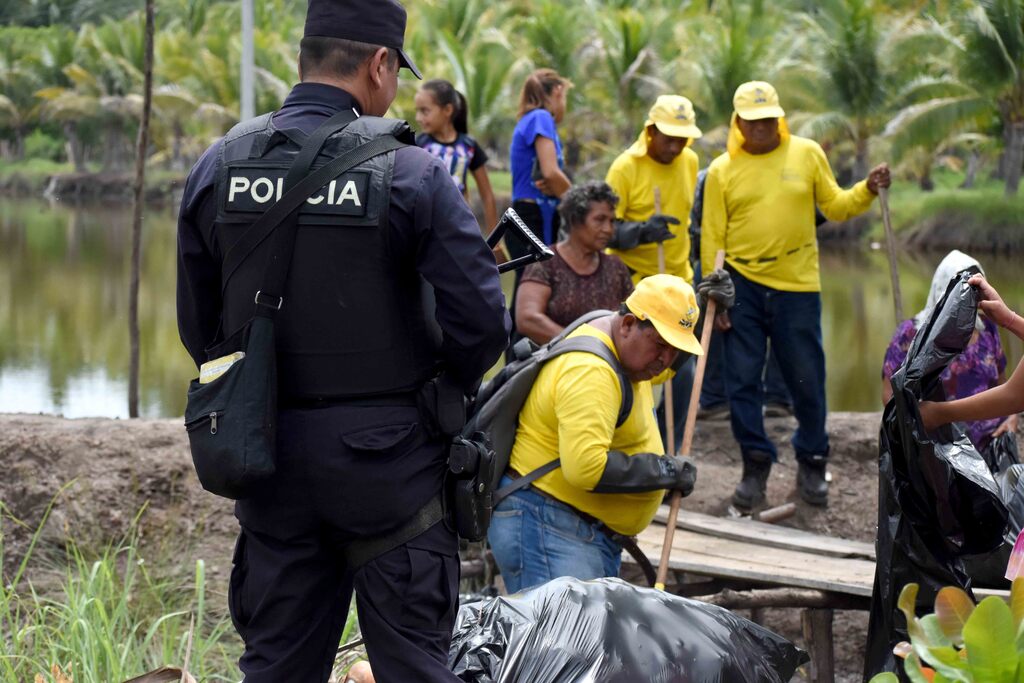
(535, 155)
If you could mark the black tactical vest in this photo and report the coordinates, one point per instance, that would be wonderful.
(352, 321)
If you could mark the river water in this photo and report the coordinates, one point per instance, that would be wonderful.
(64, 312)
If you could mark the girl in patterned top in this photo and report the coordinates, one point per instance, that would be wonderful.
(442, 115)
(981, 366)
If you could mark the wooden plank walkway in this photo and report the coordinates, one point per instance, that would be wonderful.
(699, 553)
(771, 535)
(766, 557)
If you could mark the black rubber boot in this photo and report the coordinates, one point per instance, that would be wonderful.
(751, 489)
(811, 482)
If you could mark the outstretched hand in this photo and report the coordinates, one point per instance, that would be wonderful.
(991, 303)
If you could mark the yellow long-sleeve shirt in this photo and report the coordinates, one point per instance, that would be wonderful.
(633, 177)
(760, 209)
(571, 413)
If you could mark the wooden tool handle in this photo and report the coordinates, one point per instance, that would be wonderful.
(691, 421)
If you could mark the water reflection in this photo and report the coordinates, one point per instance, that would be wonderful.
(64, 313)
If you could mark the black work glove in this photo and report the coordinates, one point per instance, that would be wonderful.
(646, 472)
(629, 235)
(719, 287)
(686, 475)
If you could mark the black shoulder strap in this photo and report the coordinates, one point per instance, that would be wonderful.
(586, 344)
(298, 190)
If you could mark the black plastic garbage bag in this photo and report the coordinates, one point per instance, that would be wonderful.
(937, 499)
(609, 631)
(1002, 457)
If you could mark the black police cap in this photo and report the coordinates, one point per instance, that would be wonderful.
(377, 22)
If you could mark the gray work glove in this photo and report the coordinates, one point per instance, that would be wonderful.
(629, 235)
(687, 470)
(719, 287)
(642, 472)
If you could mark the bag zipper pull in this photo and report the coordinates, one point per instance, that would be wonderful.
(213, 422)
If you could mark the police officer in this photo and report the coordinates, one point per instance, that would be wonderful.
(356, 456)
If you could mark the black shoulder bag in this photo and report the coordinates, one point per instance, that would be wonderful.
(231, 421)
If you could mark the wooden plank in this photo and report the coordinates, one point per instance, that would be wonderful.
(741, 561)
(771, 535)
(726, 558)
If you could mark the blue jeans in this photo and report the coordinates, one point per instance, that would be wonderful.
(791, 321)
(535, 538)
(682, 386)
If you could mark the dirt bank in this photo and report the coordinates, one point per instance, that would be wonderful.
(115, 467)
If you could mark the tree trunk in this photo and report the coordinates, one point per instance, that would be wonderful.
(971, 173)
(1014, 158)
(860, 161)
(925, 182)
(140, 180)
(177, 159)
(73, 146)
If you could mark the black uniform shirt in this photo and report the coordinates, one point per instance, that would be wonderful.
(428, 218)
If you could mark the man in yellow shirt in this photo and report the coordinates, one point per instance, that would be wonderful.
(660, 161)
(612, 478)
(759, 201)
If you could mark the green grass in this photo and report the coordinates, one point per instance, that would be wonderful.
(501, 182)
(115, 614)
(980, 215)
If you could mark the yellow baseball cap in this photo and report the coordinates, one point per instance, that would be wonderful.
(673, 115)
(670, 304)
(757, 100)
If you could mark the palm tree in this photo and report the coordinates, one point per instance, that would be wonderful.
(863, 57)
(734, 43)
(989, 83)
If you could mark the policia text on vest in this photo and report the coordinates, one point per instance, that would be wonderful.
(254, 188)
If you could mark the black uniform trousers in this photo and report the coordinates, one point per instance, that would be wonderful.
(344, 472)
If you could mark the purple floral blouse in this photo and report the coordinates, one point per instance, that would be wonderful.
(976, 369)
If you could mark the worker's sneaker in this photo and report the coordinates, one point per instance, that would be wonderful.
(811, 481)
(757, 465)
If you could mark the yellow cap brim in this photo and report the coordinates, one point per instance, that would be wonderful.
(678, 131)
(756, 113)
(682, 339)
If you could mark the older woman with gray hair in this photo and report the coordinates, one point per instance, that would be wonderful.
(981, 366)
(581, 277)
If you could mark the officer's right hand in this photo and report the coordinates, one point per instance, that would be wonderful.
(686, 475)
(655, 228)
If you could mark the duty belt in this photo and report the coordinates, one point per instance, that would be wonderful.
(627, 543)
(766, 259)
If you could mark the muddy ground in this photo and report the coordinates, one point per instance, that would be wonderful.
(112, 468)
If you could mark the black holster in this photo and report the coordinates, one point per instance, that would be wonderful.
(469, 494)
(467, 497)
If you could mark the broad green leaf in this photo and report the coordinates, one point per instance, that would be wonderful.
(913, 669)
(953, 608)
(946, 661)
(886, 677)
(932, 628)
(908, 605)
(989, 641)
(1017, 601)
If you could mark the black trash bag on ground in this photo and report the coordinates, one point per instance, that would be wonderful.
(1003, 459)
(609, 631)
(937, 499)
